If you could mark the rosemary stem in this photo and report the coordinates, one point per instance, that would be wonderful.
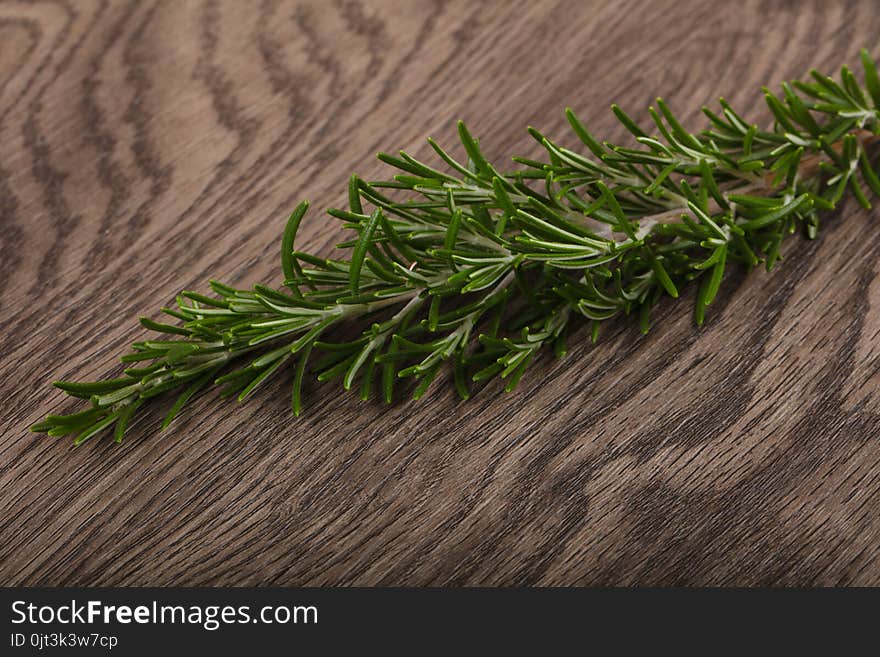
(595, 234)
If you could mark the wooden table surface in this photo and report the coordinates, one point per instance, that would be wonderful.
(145, 148)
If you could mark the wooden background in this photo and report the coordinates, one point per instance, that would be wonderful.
(146, 148)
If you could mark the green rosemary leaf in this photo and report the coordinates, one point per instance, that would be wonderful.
(645, 318)
(92, 388)
(460, 377)
(296, 393)
(711, 260)
(700, 308)
(123, 419)
(360, 250)
(662, 276)
(869, 174)
(772, 217)
(426, 380)
(162, 328)
(872, 80)
(858, 194)
(188, 394)
(780, 113)
(611, 201)
(517, 373)
(583, 134)
(472, 149)
(799, 111)
(712, 185)
(94, 429)
(80, 419)
(288, 260)
(749, 139)
(661, 177)
(263, 377)
(363, 356)
(852, 87)
(680, 133)
(508, 208)
(715, 277)
(627, 122)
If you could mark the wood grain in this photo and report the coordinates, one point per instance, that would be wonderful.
(145, 148)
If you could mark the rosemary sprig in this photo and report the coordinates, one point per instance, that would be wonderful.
(462, 264)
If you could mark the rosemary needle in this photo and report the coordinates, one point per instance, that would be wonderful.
(480, 269)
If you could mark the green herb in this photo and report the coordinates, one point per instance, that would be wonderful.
(477, 269)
